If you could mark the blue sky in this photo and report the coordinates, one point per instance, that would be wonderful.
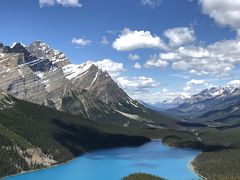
(156, 49)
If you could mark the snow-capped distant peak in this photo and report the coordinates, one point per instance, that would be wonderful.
(217, 91)
(214, 92)
(40, 46)
(179, 99)
(15, 43)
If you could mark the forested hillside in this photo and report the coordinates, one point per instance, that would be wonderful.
(34, 136)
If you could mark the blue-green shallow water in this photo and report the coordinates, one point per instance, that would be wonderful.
(153, 157)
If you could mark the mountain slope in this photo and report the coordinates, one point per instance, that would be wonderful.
(40, 74)
(34, 136)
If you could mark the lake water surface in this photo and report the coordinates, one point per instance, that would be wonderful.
(113, 164)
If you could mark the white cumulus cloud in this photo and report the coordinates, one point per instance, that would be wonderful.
(65, 3)
(169, 56)
(137, 65)
(155, 62)
(180, 36)
(137, 84)
(133, 57)
(81, 41)
(217, 59)
(131, 40)
(224, 12)
(194, 82)
(234, 83)
(151, 3)
(112, 67)
(104, 40)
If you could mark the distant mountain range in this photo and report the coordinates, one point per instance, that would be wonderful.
(166, 104)
(215, 106)
(208, 99)
(169, 104)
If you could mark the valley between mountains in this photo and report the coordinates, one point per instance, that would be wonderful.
(52, 111)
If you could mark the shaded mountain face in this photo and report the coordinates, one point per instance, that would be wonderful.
(43, 75)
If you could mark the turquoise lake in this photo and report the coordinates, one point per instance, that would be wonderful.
(113, 164)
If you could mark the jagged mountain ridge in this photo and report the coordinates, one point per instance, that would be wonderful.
(216, 105)
(208, 99)
(43, 75)
(168, 104)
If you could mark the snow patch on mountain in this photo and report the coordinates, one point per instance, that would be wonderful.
(73, 70)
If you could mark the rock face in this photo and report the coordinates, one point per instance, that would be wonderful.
(43, 75)
(35, 157)
(5, 101)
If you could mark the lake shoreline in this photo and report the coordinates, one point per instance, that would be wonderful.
(34, 170)
(190, 165)
(68, 161)
(192, 168)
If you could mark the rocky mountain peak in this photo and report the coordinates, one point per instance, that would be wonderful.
(179, 99)
(37, 43)
(4, 49)
(42, 51)
(1, 45)
(17, 46)
(218, 91)
(211, 98)
(39, 46)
